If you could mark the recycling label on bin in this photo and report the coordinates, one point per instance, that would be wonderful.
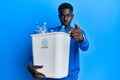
(44, 43)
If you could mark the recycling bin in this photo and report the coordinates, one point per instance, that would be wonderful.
(51, 50)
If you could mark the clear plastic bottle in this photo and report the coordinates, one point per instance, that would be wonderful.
(37, 28)
(45, 27)
(41, 29)
(52, 31)
(62, 29)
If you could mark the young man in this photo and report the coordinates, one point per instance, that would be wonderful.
(78, 40)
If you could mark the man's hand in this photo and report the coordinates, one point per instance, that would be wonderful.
(76, 33)
(33, 69)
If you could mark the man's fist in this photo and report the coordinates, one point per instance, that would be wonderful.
(76, 33)
(33, 70)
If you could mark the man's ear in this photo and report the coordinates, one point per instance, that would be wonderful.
(73, 15)
(59, 16)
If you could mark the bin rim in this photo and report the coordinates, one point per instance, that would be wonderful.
(53, 33)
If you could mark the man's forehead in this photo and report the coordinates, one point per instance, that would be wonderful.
(66, 10)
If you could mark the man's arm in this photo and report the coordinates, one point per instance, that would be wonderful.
(84, 45)
(79, 35)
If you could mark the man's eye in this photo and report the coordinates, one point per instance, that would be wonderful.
(68, 15)
(62, 15)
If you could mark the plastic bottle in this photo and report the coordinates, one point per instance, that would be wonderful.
(52, 31)
(43, 28)
(62, 29)
(37, 28)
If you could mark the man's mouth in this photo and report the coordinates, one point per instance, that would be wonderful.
(65, 22)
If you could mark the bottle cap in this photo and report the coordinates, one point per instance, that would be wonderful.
(51, 30)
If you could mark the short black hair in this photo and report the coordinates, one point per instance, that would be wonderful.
(65, 6)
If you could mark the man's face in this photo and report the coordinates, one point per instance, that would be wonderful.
(65, 17)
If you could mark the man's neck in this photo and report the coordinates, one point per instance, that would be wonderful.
(67, 26)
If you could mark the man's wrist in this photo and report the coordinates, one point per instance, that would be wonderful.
(82, 38)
